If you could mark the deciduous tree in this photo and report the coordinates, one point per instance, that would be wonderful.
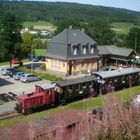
(10, 38)
(29, 43)
(133, 39)
(100, 31)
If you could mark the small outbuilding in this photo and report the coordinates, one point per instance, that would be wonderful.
(113, 55)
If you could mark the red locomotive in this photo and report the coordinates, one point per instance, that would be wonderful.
(43, 95)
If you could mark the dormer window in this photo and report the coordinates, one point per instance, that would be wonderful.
(84, 51)
(92, 49)
(75, 50)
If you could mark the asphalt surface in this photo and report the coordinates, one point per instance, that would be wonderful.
(8, 84)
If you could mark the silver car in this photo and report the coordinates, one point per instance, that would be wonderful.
(18, 75)
(5, 71)
(29, 78)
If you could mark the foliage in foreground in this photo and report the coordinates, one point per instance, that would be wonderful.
(116, 123)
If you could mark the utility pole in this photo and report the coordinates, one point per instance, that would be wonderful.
(135, 42)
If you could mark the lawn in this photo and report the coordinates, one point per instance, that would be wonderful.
(39, 23)
(40, 52)
(122, 27)
(84, 105)
(29, 24)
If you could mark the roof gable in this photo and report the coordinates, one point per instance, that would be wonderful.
(114, 50)
(73, 37)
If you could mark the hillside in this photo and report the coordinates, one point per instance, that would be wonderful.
(55, 12)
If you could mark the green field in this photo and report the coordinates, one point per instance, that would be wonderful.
(122, 27)
(84, 105)
(40, 52)
(39, 23)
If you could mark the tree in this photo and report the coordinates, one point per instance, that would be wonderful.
(29, 44)
(66, 24)
(100, 31)
(10, 38)
(133, 39)
(41, 44)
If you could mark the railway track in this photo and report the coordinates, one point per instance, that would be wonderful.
(8, 115)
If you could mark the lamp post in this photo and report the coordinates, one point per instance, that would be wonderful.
(31, 58)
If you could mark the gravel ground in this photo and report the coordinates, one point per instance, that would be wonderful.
(7, 107)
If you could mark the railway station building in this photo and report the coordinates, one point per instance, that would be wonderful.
(72, 52)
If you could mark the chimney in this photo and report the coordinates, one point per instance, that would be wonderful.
(70, 27)
(83, 30)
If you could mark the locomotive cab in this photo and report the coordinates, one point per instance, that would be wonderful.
(19, 105)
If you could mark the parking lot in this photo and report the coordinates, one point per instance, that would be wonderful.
(9, 84)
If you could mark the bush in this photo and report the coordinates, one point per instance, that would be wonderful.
(43, 67)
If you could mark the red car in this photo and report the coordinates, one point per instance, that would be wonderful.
(14, 61)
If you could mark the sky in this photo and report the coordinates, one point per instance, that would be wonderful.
(127, 4)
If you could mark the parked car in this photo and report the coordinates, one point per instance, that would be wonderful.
(6, 70)
(33, 58)
(29, 78)
(18, 75)
(11, 72)
(15, 61)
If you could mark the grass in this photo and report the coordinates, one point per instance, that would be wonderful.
(40, 52)
(84, 105)
(123, 27)
(39, 23)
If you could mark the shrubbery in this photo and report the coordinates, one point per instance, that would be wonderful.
(118, 123)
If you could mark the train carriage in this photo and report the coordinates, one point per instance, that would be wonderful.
(76, 88)
(109, 81)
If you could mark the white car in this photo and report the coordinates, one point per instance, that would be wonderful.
(5, 71)
(29, 78)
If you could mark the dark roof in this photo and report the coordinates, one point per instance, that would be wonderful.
(72, 36)
(76, 81)
(119, 72)
(114, 50)
(61, 46)
(46, 86)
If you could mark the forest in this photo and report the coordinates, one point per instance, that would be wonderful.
(55, 12)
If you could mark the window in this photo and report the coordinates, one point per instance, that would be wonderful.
(92, 49)
(84, 51)
(75, 50)
(56, 64)
(53, 63)
(88, 66)
(82, 67)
